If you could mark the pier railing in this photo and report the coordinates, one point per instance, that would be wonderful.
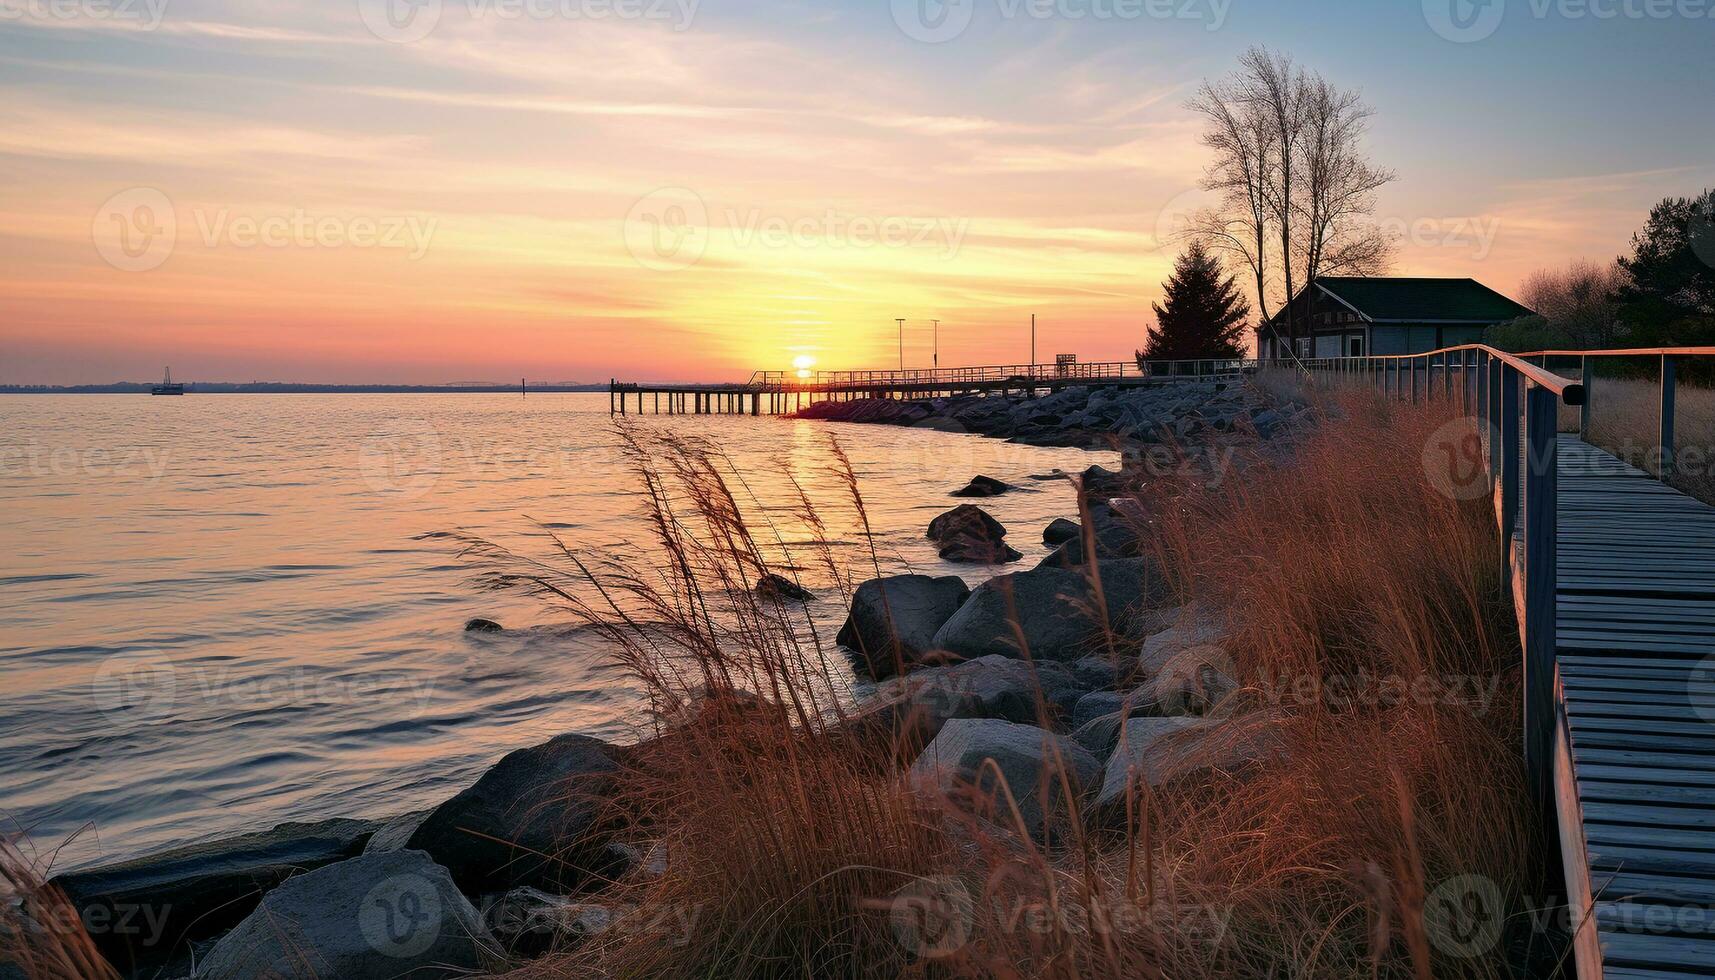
(1022, 374)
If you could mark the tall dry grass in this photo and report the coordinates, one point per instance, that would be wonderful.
(797, 845)
(1626, 421)
(42, 935)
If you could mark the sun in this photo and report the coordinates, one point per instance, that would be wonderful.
(803, 362)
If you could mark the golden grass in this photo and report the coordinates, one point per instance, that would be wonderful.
(41, 932)
(1626, 421)
(795, 848)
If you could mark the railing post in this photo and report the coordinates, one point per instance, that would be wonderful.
(1510, 411)
(1493, 419)
(1447, 375)
(1429, 378)
(1665, 445)
(1586, 377)
(1540, 532)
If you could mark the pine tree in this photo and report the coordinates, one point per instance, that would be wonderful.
(1204, 315)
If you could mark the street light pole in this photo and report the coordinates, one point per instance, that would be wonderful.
(937, 358)
(1032, 340)
(901, 322)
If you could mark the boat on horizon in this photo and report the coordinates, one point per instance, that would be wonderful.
(167, 387)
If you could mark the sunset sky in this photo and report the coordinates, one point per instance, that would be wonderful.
(307, 190)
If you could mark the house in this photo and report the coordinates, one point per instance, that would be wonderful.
(1353, 316)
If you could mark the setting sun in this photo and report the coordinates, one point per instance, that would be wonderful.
(803, 363)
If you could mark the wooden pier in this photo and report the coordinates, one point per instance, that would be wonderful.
(782, 393)
(1613, 576)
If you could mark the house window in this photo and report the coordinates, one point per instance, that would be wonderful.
(1355, 346)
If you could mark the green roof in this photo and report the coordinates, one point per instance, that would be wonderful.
(1408, 300)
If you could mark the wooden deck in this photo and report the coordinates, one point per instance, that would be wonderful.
(1635, 597)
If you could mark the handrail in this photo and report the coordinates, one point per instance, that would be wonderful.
(1571, 392)
(1627, 352)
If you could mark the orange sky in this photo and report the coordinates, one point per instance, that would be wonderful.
(278, 193)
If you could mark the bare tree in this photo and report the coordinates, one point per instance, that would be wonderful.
(1338, 187)
(1273, 87)
(1579, 301)
(1240, 173)
(1295, 187)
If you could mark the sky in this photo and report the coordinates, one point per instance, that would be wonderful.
(426, 191)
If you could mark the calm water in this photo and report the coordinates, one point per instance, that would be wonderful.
(226, 611)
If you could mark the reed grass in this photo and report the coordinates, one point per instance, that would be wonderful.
(797, 844)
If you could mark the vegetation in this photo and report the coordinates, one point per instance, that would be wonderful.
(1661, 295)
(794, 837)
(1296, 190)
(1204, 315)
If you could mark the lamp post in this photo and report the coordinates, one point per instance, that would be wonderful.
(936, 362)
(901, 322)
(1032, 340)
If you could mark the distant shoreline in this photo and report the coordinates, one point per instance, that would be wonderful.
(290, 388)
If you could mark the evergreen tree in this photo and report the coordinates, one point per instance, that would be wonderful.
(1204, 314)
(1672, 265)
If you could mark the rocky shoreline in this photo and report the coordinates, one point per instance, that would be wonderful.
(1079, 660)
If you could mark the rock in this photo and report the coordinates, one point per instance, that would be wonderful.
(1192, 626)
(530, 922)
(483, 626)
(1030, 760)
(1061, 531)
(772, 586)
(893, 620)
(984, 486)
(395, 833)
(988, 687)
(1056, 610)
(200, 890)
(536, 818)
(373, 917)
(1145, 752)
(968, 534)
(1095, 672)
(1266, 423)
(1115, 537)
(1154, 751)
(966, 520)
(1097, 717)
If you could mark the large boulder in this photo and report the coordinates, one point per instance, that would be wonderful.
(988, 687)
(968, 534)
(1030, 761)
(374, 917)
(1153, 751)
(197, 891)
(538, 817)
(1191, 626)
(893, 620)
(1146, 754)
(1057, 610)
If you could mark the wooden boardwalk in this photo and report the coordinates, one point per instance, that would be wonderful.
(1635, 597)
